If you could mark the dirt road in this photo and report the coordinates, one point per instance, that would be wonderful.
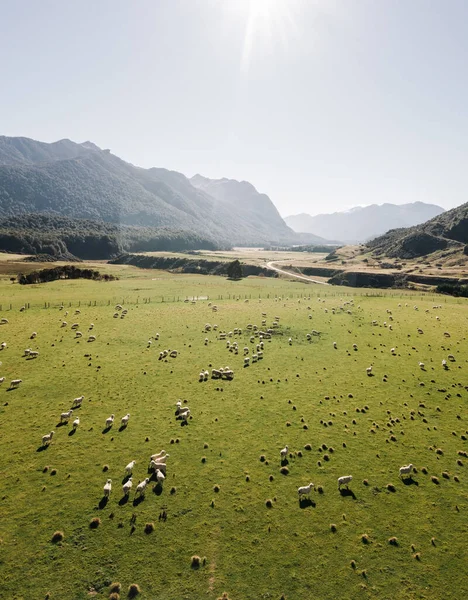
(271, 265)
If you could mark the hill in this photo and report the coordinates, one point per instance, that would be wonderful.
(85, 182)
(361, 223)
(446, 231)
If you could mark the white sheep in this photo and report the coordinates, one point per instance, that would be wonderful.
(158, 455)
(108, 488)
(305, 490)
(129, 467)
(92, 338)
(124, 420)
(158, 466)
(15, 383)
(369, 370)
(127, 486)
(140, 489)
(345, 480)
(444, 363)
(75, 326)
(421, 364)
(335, 345)
(246, 361)
(66, 416)
(64, 324)
(284, 452)
(76, 422)
(33, 353)
(160, 476)
(406, 470)
(290, 341)
(185, 415)
(173, 354)
(46, 439)
(3, 345)
(33, 335)
(26, 352)
(78, 334)
(4, 321)
(2, 379)
(77, 311)
(77, 402)
(110, 421)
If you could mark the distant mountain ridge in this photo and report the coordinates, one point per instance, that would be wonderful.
(85, 182)
(362, 223)
(448, 230)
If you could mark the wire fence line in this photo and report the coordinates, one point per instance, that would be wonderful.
(280, 295)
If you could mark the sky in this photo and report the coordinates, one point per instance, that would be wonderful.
(321, 104)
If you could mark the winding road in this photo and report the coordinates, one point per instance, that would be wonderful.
(270, 265)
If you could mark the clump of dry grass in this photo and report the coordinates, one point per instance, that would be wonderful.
(149, 528)
(365, 482)
(307, 447)
(353, 564)
(365, 538)
(105, 468)
(435, 479)
(58, 537)
(417, 556)
(320, 489)
(203, 459)
(94, 523)
(262, 458)
(173, 490)
(390, 487)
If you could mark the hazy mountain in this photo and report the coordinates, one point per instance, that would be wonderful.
(362, 223)
(83, 181)
(450, 229)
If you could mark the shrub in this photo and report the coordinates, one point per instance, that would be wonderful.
(94, 523)
(196, 560)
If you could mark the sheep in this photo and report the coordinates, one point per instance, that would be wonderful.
(160, 476)
(182, 409)
(23, 308)
(228, 374)
(305, 490)
(107, 488)
(4, 321)
(246, 361)
(254, 358)
(446, 334)
(76, 422)
(78, 334)
(260, 354)
(158, 466)
(215, 374)
(392, 350)
(46, 439)
(2, 379)
(420, 330)
(345, 480)
(116, 315)
(66, 416)
(77, 311)
(335, 345)
(33, 353)
(173, 354)
(284, 452)
(124, 420)
(246, 350)
(15, 383)
(185, 415)
(33, 335)
(75, 326)
(127, 486)
(421, 364)
(444, 363)
(110, 421)
(206, 375)
(118, 307)
(451, 357)
(3, 345)
(64, 324)
(355, 347)
(77, 402)
(406, 470)
(92, 338)
(26, 352)
(129, 467)
(201, 376)
(158, 455)
(290, 341)
(140, 489)
(91, 326)
(369, 370)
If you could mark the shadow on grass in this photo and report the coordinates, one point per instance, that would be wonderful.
(347, 492)
(138, 500)
(61, 424)
(107, 429)
(103, 502)
(410, 481)
(183, 423)
(122, 427)
(42, 448)
(306, 502)
(72, 432)
(158, 489)
(123, 501)
(126, 478)
(284, 462)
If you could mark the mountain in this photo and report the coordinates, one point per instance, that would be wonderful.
(362, 223)
(82, 181)
(446, 231)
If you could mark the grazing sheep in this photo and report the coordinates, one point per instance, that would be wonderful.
(246, 350)
(116, 315)
(305, 490)
(124, 420)
(392, 350)
(110, 421)
(369, 370)
(354, 346)
(185, 415)
(15, 383)
(129, 467)
(77, 311)
(108, 488)
(159, 455)
(2, 379)
(33, 353)
(46, 439)
(215, 374)
(421, 364)
(173, 354)
(78, 334)
(64, 324)
(33, 335)
(140, 489)
(345, 480)
(26, 352)
(76, 422)
(444, 363)
(92, 338)
(284, 452)
(77, 402)
(406, 470)
(75, 326)
(451, 357)
(160, 476)
(290, 341)
(160, 466)
(66, 416)
(127, 486)
(3, 345)
(3, 321)
(335, 345)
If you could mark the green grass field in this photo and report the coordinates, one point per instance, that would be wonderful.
(299, 394)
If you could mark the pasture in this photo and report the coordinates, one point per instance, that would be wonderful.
(225, 498)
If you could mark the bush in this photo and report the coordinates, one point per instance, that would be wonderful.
(58, 537)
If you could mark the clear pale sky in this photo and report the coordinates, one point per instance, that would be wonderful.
(321, 104)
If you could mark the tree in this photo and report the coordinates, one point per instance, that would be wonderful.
(234, 270)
